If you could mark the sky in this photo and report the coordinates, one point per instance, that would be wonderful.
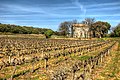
(50, 13)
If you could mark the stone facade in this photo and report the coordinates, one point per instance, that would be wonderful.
(80, 31)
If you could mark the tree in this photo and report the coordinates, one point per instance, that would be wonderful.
(71, 27)
(57, 33)
(48, 33)
(74, 21)
(100, 29)
(90, 22)
(21, 29)
(64, 28)
(116, 31)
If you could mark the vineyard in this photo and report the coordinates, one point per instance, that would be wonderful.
(52, 59)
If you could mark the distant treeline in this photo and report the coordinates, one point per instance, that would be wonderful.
(21, 29)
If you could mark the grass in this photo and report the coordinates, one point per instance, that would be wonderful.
(111, 70)
(21, 73)
(85, 57)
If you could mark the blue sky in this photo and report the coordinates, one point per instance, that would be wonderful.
(50, 13)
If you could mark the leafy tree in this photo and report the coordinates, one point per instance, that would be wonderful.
(116, 31)
(48, 33)
(15, 30)
(21, 29)
(100, 29)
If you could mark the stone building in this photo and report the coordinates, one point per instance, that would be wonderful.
(80, 31)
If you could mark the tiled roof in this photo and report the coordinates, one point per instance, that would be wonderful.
(79, 25)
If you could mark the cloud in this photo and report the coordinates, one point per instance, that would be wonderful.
(21, 8)
(102, 4)
(79, 5)
(105, 8)
(64, 7)
(60, 16)
(117, 21)
(28, 20)
(54, 13)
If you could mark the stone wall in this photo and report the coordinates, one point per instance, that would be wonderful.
(80, 32)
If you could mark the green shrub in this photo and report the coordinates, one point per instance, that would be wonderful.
(48, 33)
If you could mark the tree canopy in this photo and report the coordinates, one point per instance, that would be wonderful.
(48, 33)
(100, 29)
(116, 31)
(21, 29)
